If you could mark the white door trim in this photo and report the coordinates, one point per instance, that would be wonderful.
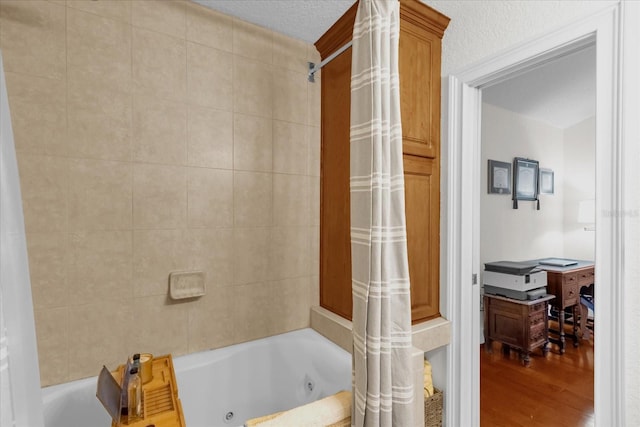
(462, 190)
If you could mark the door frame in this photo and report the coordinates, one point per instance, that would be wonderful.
(606, 29)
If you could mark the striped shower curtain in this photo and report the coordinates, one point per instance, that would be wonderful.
(382, 381)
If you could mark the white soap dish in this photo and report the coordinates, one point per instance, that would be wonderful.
(186, 284)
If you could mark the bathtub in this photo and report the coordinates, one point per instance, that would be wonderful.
(227, 386)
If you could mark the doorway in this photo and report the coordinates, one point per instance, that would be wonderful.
(462, 140)
(547, 115)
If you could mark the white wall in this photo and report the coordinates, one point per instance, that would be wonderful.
(483, 28)
(579, 184)
(553, 231)
(523, 233)
(479, 29)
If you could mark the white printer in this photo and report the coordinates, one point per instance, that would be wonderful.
(518, 280)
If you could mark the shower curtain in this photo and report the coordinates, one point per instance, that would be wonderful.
(382, 383)
(20, 394)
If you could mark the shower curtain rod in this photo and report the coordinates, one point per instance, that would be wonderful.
(313, 67)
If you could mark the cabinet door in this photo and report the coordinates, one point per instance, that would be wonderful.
(419, 66)
(422, 209)
(335, 211)
(507, 323)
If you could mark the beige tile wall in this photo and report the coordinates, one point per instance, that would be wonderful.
(156, 136)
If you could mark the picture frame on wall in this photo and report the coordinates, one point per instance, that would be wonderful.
(546, 181)
(525, 180)
(499, 177)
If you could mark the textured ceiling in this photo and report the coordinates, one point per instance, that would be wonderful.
(302, 19)
(561, 93)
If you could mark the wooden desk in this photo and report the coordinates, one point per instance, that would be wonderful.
(565, 283)
(522, 325)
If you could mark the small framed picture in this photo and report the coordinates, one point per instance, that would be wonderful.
(546, 181)
(499, 178)
(525, 179)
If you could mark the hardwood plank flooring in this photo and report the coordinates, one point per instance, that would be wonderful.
(553, 391)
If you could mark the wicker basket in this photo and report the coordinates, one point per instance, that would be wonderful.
(433, 409)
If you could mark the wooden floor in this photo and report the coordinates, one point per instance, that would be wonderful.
(553, 391)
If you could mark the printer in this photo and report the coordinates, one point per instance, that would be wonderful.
(517, 280)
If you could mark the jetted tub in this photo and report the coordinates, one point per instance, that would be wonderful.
(227, 386)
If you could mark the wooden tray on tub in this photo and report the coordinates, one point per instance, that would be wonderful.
(160, 403)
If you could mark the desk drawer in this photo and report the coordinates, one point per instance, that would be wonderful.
(536, 318)
(586, 277)
(505, 306)
(541, 306)
(538, 333)
(570, 294)
(570, 279)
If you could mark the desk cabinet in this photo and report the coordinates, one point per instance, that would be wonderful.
(565, 283)
(522, 325)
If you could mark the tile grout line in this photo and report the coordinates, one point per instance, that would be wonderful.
(67, 150)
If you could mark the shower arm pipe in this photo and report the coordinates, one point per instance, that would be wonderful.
(313, 67)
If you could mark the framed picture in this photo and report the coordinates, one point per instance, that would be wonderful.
(546, 181)
(525, 180)
(499, 178)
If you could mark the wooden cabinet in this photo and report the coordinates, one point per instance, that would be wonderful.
(522, 325)
(421, 31)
